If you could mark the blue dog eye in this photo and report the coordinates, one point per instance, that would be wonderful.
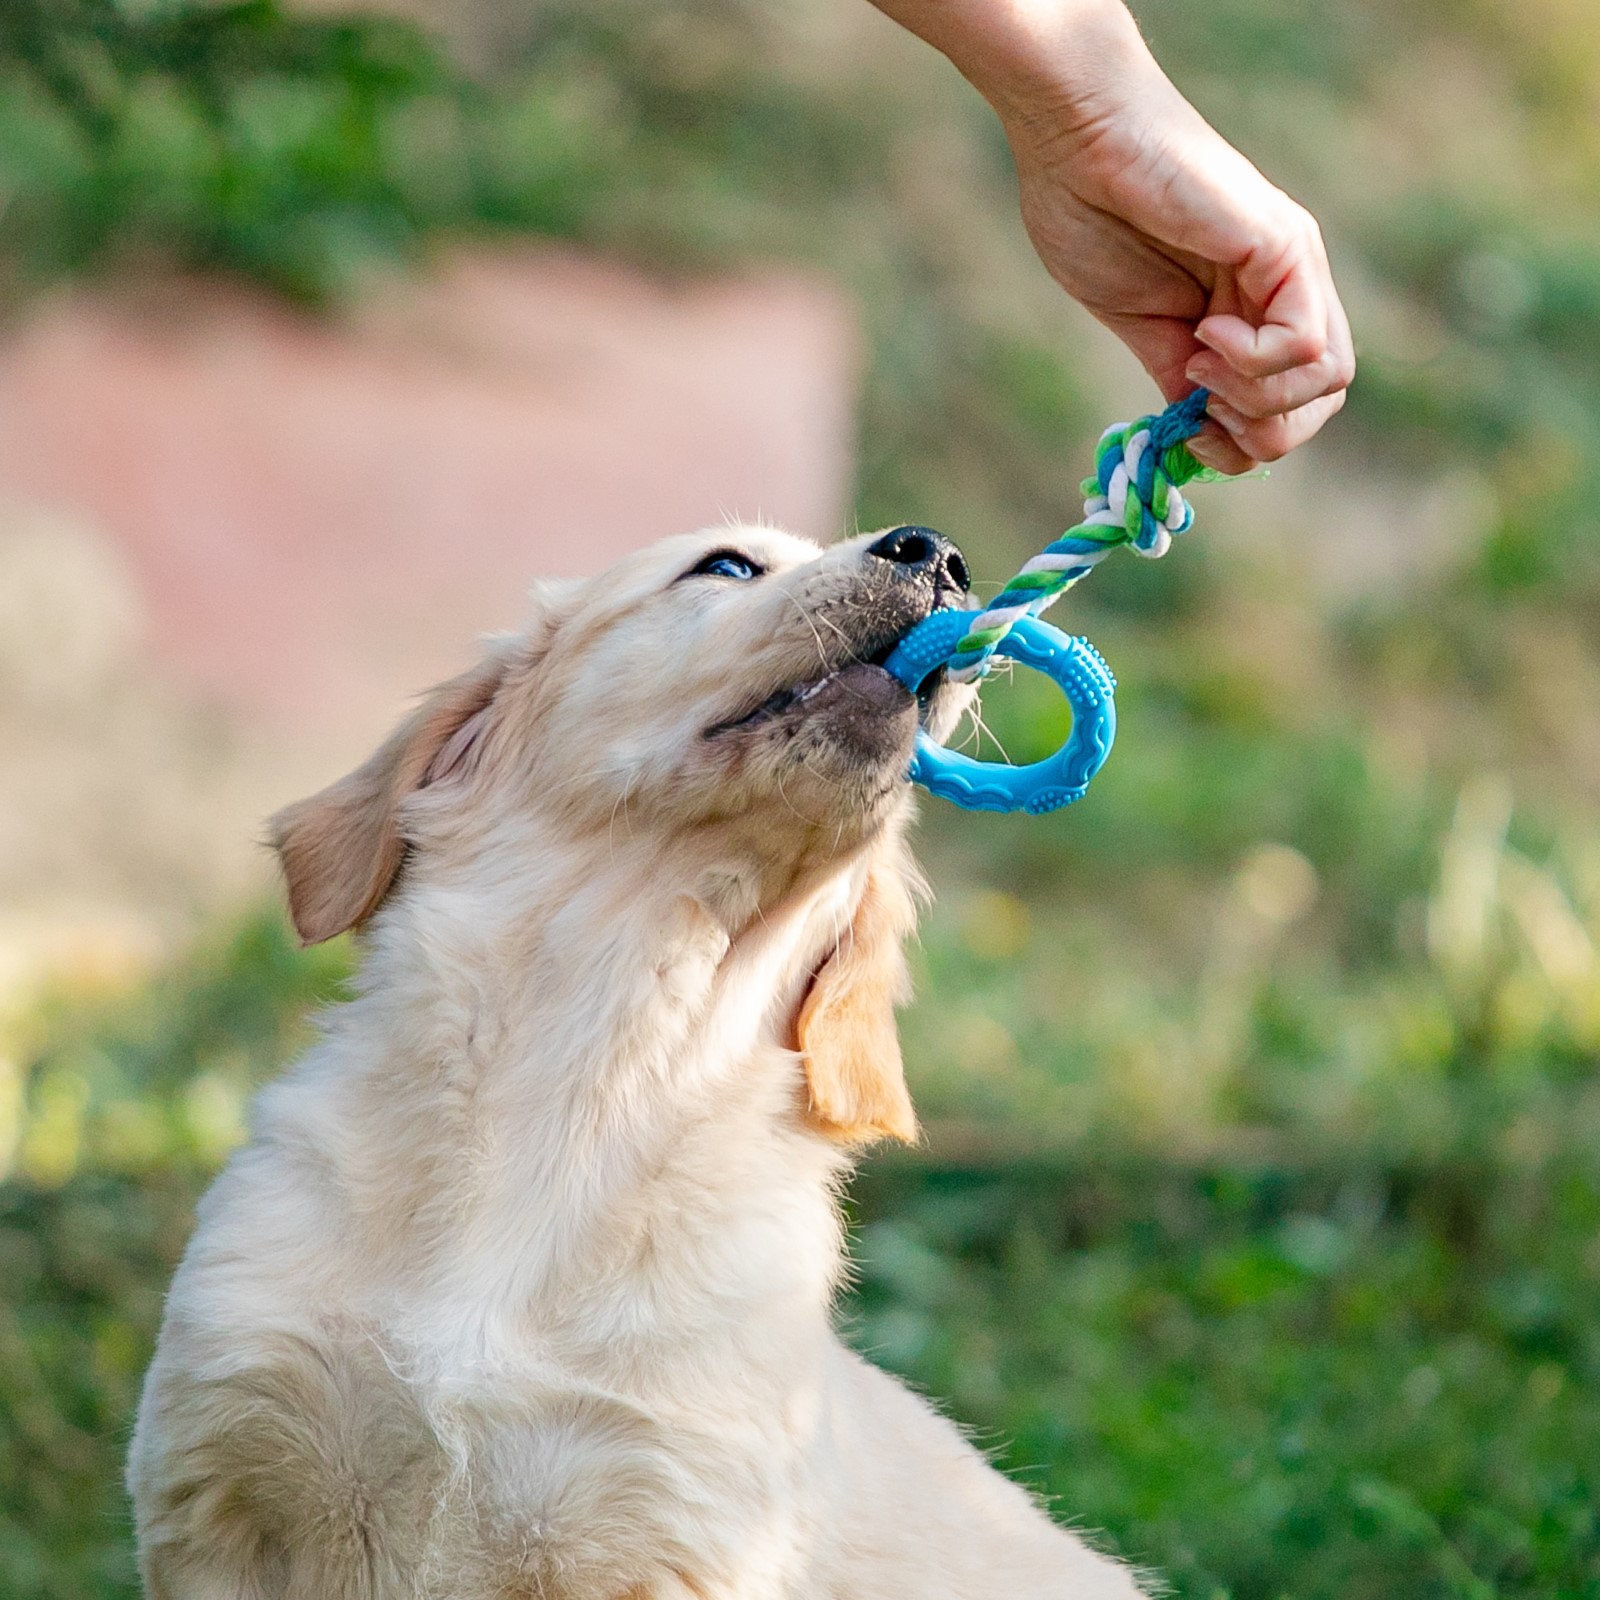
(725, 564)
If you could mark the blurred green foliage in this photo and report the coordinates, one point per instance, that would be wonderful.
(124, 1107)
(1257, 1219)
(1352, 1380)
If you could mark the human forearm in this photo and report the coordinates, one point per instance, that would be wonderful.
(1153, 221)
(1032, 58)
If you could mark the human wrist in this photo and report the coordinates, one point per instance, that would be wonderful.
(1041, 64)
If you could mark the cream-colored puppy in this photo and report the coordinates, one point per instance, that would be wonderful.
(521, 1286)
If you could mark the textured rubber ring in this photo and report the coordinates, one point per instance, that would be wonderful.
(1073, 664)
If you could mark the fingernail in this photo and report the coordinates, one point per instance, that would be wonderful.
(1194, 372)
(1221, 412)
(1200, 334)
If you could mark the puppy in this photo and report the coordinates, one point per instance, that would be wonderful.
(522, 1285)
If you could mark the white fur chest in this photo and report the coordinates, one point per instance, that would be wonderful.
(655, 1441)
(555, 1491)
(631, 1411)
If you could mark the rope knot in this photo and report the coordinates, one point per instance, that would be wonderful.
(1133, 498)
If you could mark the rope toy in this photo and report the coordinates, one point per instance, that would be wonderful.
(1134, 499)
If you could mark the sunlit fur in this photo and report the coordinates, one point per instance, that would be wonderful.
(522, 1285)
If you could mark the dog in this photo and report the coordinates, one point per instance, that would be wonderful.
(521, 1285)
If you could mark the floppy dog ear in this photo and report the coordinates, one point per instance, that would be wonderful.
(848, 1041)
(341, 849)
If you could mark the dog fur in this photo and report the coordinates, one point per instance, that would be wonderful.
(522, 1285)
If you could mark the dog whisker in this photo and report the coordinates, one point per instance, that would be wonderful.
(811, 622)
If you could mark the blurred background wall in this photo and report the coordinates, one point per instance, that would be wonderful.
(1257, 1213)
(269, 528)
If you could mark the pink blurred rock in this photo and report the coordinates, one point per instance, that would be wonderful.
(319, 515)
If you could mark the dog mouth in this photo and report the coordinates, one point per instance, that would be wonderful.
(863, 677)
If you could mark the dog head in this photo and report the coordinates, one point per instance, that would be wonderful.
(723, 695)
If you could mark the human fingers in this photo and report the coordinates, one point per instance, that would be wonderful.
(1214, 447)
(1281, 392)
(1260, 352)
(1271, 438)
(1163, 345)
(1285, 280)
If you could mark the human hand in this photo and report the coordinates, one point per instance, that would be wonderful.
(1208, 273)
(1162, 230)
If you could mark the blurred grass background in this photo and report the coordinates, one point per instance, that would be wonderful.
(1259, 1218)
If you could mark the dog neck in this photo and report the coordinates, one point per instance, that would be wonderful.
(564, 1105)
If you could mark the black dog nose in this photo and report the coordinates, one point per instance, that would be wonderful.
(922, 552)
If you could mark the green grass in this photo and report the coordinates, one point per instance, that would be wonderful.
(123, 1108)
(1358, 1381)
(1280, 1367)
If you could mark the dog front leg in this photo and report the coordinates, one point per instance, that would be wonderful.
(169, 1573)
(924, 1514)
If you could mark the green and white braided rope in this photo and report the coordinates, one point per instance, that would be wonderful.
(1133, 499)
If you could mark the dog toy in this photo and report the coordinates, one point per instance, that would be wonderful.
(1133, 499)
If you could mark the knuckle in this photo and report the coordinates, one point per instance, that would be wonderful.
(1307, 346)
(1268, 441)
(1261, 365)
(1303, 226)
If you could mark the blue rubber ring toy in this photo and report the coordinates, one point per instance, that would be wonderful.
(1041, 786)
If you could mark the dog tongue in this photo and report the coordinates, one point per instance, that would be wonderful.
(871, 685)
(860, 691)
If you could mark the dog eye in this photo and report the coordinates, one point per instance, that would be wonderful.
(725, 564)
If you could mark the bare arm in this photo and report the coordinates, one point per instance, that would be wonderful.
(1145, 214)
